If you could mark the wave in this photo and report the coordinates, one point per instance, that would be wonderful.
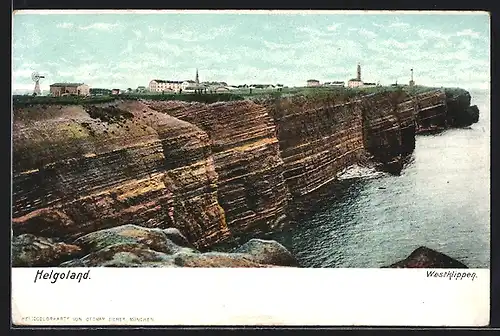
(357, 171)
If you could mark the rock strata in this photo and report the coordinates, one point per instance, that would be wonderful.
(424, 257)
(318, 138)
(251, 187)
(440, 109)
(79, 169)
(200, 174)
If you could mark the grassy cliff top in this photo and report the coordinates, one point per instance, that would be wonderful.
(328, 93)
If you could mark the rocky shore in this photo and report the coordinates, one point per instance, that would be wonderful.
(137, 246)
(208, 172)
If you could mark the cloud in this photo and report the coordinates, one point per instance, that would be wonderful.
(100, 26)
(395, 24)
(189, 35)
(468, 32)
(367, 33)
(432, 34)
(163, 45)
(399, 25)
(314, 33)
(137, 33)
(65, 25)
(312, 50)
(364, 32)
(334, 27)
(392, 43)
(22, 73)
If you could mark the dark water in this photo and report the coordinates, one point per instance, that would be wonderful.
(441, 200)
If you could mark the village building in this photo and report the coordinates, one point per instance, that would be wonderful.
(335, 84)
(100, 92)
(162, 85)
(115, 91)
(64, 89)
(312, 82)
(222, 89)
(356, 82)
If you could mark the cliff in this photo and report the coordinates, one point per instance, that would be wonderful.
(317, 139)
(247, 159)
(444, 108)
(213, 171)
(78, 169)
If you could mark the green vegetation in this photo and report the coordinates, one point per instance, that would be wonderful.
(190, 97)
(337, 94)
(25, 101)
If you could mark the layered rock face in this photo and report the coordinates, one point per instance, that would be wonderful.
(247, 160)
(317, 140)
(432, 111)
(389, 128)
(441, 109)
(213, 171)
(78, 169)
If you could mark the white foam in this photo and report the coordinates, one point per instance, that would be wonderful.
(356, 171)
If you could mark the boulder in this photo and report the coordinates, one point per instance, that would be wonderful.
(267, 252)
(29, 250)
(174, 235)
(154, 239)
(217, 259)
(473, 114)
(122, 255)
(135, 246)
(424, 257)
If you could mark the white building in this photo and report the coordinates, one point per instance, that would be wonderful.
(356, 82)
(312, 82)
(161, 85)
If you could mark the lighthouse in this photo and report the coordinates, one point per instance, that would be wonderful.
(412, 82)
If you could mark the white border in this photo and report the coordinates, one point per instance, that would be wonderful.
(284, 296)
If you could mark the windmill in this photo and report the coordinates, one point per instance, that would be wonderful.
(35, 76)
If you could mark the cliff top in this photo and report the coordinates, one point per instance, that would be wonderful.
(324, 93)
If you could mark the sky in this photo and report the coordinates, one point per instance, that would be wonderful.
(109, 50)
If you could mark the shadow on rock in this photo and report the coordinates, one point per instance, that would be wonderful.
(424, 257)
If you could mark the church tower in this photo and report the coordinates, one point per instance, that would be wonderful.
(197, 80)
(358, 77)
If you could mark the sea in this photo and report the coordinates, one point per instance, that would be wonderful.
(441, 200)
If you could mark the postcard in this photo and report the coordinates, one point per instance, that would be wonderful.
(209, 168)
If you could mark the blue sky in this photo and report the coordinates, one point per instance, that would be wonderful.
(127, 50)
